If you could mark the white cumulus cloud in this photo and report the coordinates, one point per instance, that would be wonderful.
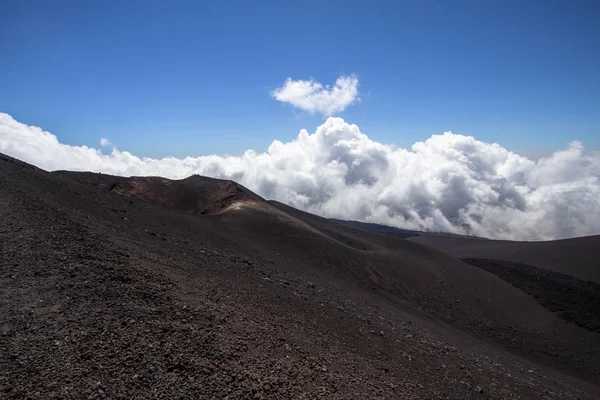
(312, 96)
(105, 142)
(448, 182)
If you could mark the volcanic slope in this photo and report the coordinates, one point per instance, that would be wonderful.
(194, 195)
(578, 257)
(112, 295)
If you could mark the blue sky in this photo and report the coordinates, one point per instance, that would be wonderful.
(184, 78)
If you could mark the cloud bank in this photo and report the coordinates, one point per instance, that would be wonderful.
(312, 96)
(449, 182)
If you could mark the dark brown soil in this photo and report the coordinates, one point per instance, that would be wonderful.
(113, 296)
(194, 195)
(578, 257)
(570, 298)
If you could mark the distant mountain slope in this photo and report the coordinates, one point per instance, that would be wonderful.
(382, 229)
(398, 232)
(578, 257)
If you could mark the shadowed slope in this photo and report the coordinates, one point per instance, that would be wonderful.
(572, 299)
(578, 257)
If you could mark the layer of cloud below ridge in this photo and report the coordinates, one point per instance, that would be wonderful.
(449, 182)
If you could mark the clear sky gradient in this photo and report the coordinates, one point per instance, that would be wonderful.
(181, 78)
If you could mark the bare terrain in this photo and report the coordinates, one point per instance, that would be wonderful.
(573, 299)
(579, 257)
(149, 288)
